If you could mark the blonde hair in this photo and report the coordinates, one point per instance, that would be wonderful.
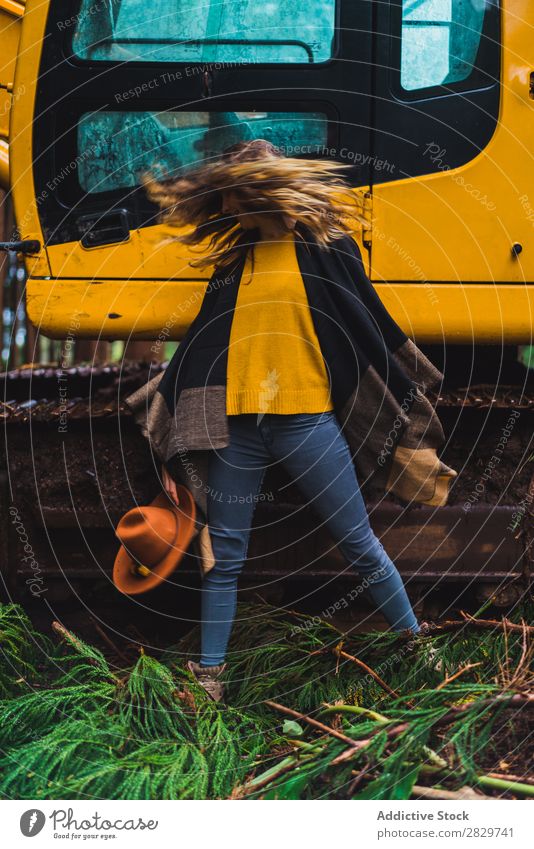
(264, 181)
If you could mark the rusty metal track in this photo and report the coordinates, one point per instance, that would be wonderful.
(106, 386)
(484, 396)
(443, 545)
(446, 544)
(50, 411)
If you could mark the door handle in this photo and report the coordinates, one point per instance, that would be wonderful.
(103, 228)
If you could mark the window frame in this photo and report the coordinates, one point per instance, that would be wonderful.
(71, 56)
(71, 193)
(487, 56)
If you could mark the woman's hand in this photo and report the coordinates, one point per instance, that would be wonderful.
(169, 485)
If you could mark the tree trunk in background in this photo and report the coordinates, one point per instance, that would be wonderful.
(87, 350)
(140, 351)
(3, 262)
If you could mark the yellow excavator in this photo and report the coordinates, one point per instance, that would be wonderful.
(431, 103)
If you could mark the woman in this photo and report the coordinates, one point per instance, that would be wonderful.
(281, 385)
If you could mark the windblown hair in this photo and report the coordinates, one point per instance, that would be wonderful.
(264, 181)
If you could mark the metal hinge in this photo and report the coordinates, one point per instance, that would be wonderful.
(367, 211)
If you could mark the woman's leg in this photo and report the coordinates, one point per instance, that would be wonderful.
(315, 452)
(235, 474)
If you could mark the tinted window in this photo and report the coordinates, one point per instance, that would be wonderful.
(113, 147)
(440, 40)
(210, 31)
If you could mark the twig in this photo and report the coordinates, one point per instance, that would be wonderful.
(358, 776)
(354, 744)
(251, 787)
(340, 653)
(71, 639)
(325, 650)
(509, 702)
(78, 646)
(483, 624)
(110, 642)
(518, 778)
(392, 732)
(522, 674)
(457, 674)
(434, 793)
(337, 652)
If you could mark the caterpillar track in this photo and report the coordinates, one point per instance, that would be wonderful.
(75, 462)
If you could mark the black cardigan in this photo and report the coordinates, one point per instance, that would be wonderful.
(378, 376)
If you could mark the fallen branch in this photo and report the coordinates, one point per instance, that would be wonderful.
(508, 783)
(73, 641)
(354, 744)
(457, 674)
(259, 783)
(508, 702)
(435, 793)
(516, 700)
(110, 643)
(357, 780)
(392, 732)
(521, 676)
(482, 624)
(78, 646)
(340, 653)
(496, 782)
(518, 778)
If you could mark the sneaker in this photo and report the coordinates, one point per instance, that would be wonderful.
(207, 677)
(425, 629)
(430, 653)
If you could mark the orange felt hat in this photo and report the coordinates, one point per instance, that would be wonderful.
(153, 541)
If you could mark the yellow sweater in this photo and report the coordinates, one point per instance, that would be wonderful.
(275, 364)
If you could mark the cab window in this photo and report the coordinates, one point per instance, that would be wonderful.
(114, 147)
(241, 31)
(439, 41)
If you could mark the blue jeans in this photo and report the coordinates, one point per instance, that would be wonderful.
(314, 451)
